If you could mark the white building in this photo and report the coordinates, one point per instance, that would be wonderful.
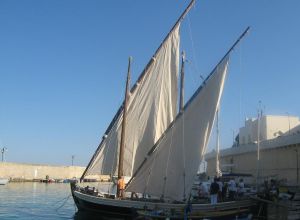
(279, 150)
(270, 127)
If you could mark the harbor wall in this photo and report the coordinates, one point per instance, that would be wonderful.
(21, 171)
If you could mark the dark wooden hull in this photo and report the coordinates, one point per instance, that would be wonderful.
(129, 209)
(102, 209)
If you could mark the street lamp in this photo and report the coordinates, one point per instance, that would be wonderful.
(289, 122)
(233, 141)
(2, 152)
(73, 156)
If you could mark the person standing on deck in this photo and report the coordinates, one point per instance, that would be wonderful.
(214, 190)
(241, 188)
(220, 189)
(121, 184)
(232, 189)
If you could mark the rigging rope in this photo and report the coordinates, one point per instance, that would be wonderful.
(65, 200)
(112, 165)
(150, 170)
(240, 85)
(183, 152)
(167, 165)
(193, 48)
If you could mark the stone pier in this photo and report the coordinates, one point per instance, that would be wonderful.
(22, 171)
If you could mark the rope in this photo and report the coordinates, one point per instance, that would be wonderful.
(193, 47)
(183, 152)
(65, 200)
(112, 165)
(150, 170)
(167, 167)
(61, 199)
(240, 85)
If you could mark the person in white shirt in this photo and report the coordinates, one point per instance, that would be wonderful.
(241, 188)
(232, 189)
(220, 189)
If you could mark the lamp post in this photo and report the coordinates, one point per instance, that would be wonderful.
(73, 156)
(2, 152)
(289, 122)
(259, 115)
(233, 141)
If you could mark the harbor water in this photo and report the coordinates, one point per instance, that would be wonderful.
(35, 200)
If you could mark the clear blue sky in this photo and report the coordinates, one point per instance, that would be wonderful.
(63, 66)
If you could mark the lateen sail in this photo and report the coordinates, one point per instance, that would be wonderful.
(170, 169)
(151, 108)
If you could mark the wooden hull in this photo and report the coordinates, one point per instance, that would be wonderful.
(129, 209)
(102, 206)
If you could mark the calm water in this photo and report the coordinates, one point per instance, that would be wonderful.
(36, 201)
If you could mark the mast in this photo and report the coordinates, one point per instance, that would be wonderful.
(217, 146)
(181, 103)
(123, 132)
(258, 144)
(141, 77)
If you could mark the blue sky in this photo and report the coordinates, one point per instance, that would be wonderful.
(63, 66)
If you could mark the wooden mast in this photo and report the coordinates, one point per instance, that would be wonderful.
(123, 132)
(181, 103)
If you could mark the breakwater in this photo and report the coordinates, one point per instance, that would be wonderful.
(29, 172)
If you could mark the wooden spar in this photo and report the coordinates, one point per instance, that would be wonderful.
(141, 77)
(181, 103)
(123, 132)
(166, 38)
(217, 146)
(186, 106)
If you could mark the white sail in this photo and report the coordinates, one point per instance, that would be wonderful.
(151, 108)
(170, 169)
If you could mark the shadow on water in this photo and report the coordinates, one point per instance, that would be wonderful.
(81, 215)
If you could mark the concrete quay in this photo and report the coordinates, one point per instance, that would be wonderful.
(31, 172)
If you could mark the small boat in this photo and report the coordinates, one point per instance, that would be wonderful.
(3, 181)
(47, 181)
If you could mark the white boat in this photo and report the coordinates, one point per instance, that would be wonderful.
(3, 181)
(158, 147)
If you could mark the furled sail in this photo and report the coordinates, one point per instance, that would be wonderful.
(151, 108)
(173, 162)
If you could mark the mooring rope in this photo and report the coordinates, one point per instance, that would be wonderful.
(64, 202)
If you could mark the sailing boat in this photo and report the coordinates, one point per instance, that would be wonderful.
(158, 149)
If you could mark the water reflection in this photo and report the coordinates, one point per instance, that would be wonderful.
(36, 201)
(80, 215)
